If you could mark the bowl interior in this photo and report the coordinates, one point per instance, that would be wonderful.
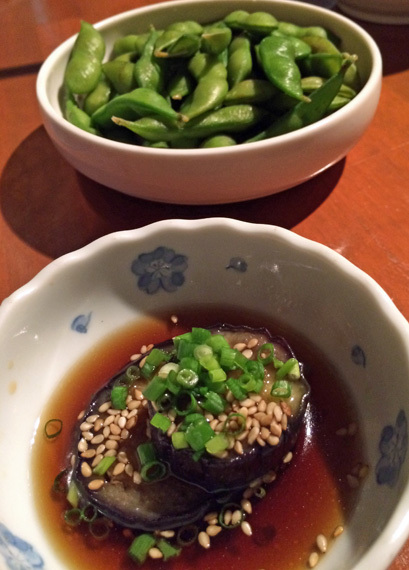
(80, 299)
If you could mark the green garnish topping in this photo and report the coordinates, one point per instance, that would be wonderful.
(118, 397)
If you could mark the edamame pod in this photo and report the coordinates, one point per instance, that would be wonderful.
(216, 40)
(78, 117)
(208, 94)
(138, 103)
(240, 61)
(250, 91)
(306, 113)
(277, 59)
(147, 71)
(84, 66)
(120, 74)
(98, 97)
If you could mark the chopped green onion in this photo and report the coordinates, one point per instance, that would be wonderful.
(53, 428)
(73, 496)
(290, 368)
(213, 403)
(99, 528)
(185, 403)
(146, 452)
(187, 378)
(218, 342)
(240, 419)
(202, 351)
(73, 517)
(140, 547)
(189, 362)
(217, 375)
(227, 357)
(119, 395)
(198, 433)
(153, 471)
(240, 360)
(209, 362)
(132, 373)
(167, 549)
(89, 513)
(192, 418)
(233, 507)
(184, 348)
(161, 422)
(167, 368)
(200, 336)
(179, 440)
(260, 492)
(171, 382)
(187, 535)
(217, 444)
(198, 454)
(234, 386)
(165, 402)
(155, 389)
(157, 356)
(256, 369)
(104, 465)
(265, 353)
(281, 389)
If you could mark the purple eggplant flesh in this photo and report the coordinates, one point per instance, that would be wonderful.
(191, 487)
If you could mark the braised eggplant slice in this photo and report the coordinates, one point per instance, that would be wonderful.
(202, 414)
(236, 469)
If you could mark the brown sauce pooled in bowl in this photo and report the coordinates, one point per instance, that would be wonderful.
(311, 497)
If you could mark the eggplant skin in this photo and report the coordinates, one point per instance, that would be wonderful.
(214, 474)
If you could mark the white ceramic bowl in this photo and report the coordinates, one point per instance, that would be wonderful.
(85, 296)
(378, 11)
(211, 176)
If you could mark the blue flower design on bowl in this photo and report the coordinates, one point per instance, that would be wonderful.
(162, 268)
(393, 446)
(18, 554)
(80, 323)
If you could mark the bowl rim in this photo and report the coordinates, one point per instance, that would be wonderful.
(371, 84)
(396, 530)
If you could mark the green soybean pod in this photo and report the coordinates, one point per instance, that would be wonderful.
(148, 72)
(216, 40)
(151, 128)
(262, 23)
(180, 85)
(251, 91)
(235, 19)
(84, 66)
(78, 117)
(277, 59)
(120, 74)
(130, 43)
(98, 97)
(306, 113)
(139, 102)
(217, 141)
(186, 27)
(232, 119)
(207, 95)
(240, 60)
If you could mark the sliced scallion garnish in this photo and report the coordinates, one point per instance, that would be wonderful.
(281, 389)
(53, 428)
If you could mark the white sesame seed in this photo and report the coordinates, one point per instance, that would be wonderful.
(213, 529)
(246, 506)
(82, 445)
(204, 539)
(104, 407)
(338, 531)
(321, 543)
(313, 559)
(96, 484)
(118, 469)
(86, 470)
(246, 528)
(288, 457)
(96, 440)
(155, 553)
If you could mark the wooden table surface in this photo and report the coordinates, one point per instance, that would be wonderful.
(359, 207)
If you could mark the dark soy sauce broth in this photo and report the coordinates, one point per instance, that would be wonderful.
(310, 497)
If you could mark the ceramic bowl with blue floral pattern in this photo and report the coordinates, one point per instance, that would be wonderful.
(85, 296)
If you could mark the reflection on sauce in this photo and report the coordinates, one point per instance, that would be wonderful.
(312, 496)
(12, 387)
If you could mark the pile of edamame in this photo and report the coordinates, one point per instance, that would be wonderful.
(242, 79)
